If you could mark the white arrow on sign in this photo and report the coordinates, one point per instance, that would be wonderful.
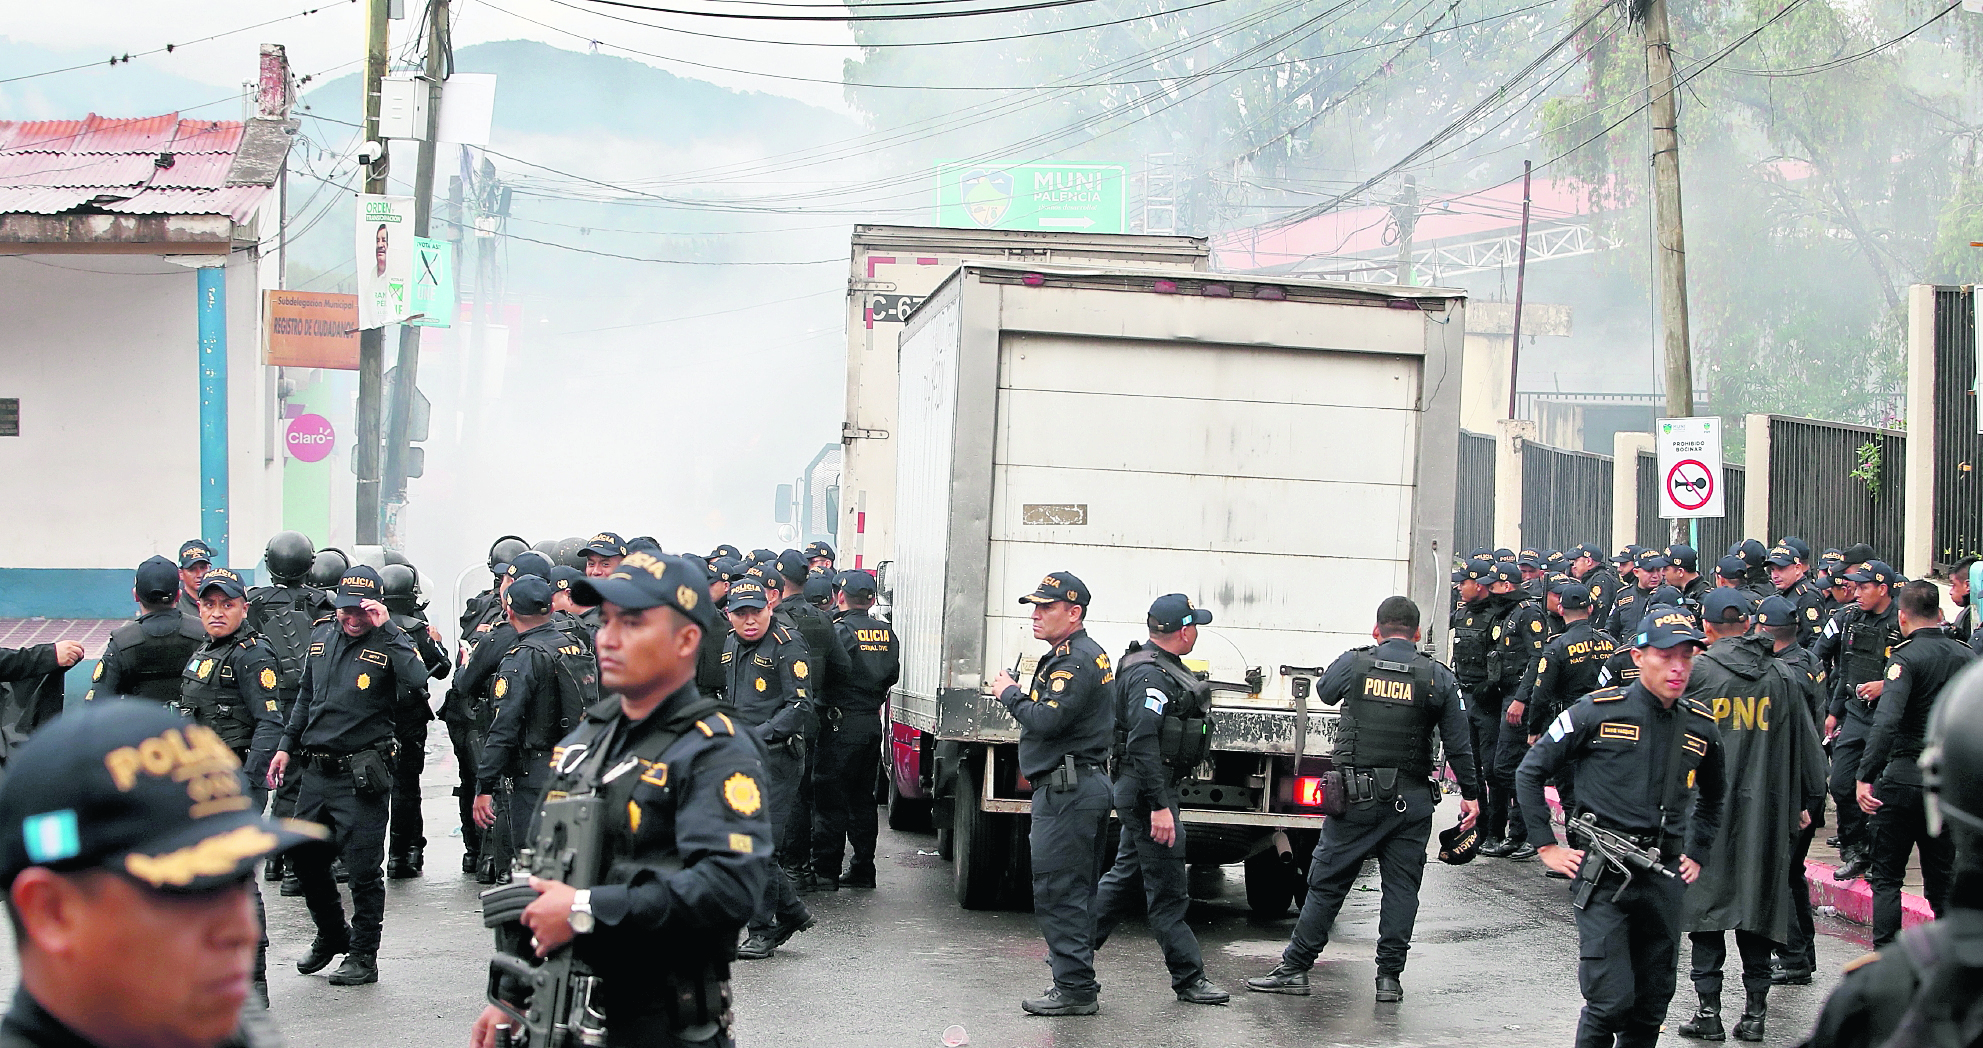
(1082, 223)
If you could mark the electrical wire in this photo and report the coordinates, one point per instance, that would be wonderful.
(125, 58)
(882, 44)
(911, 17)
(1835, 63)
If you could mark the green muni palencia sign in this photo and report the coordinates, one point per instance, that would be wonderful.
(1080, 198)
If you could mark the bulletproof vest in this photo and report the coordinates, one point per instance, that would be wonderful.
(1867, 643)
(210, 694)
(1473, 639)
(285, 616)
(149, 667)
(813, 627)
(1184, 737)
(577, 687)
(1384, 720)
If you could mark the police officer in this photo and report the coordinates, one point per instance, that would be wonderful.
(1588, 566)
(542, 687)
(771, 680)
(1781, 623)
(1065, 724)
(1923, 993)
(285, 614)
(1732, 573)
(194, 560)
(1863, 637)
(1566, 671)
(784, 582)
(1516, 646)
(1393, 700)
(1680, 567)
(1616, 742)
(1889, 773)
(122, 939)
(230, 686)
(687, 843)
(563, 578)
(711, 678)
(818, 591)
(1963, 626)
(406, 842)
(1631, 604)
(1534, 568)
(31, 682)
(479, 618)
(603, 553)
(1476, 662)
(145, 658)
(362, 676)
(1792, 579)
(819, 556)
(851, 738)
(1163, 730)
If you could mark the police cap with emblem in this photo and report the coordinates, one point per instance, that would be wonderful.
(1506, 572)
(227, 582)
(1784, 555)
(563, 576)
(129, 786)
(1872, 571)
(1582, 550)
(1059, 586)
(1719, 602)
(1478, 569)
(1173, 611)
(1531, 558)
(855, 583)
(1802, 548)
(1732, 567)
(818, 588)
(605, 544)
(1752, 551)
(1683, 557)
(729, 569)
(1777, 611)
(1504, 553)
(1652, 560)
(194, 552)
(725, 550)
(1667, 627)
(359, 584)
(792, 565)
(819, 549)
(746, 593)
(157, 580)
(1459, 845)
(1574, 595)
(1628, 555)
(529, 595)
(649, 580)
(530, 562)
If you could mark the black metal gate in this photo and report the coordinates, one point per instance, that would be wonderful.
(1652, 530)
(1566, 497)
(1958, 518)
(1832, 484)
(1473, 503)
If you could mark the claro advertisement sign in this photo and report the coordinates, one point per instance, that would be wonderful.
(310, 329)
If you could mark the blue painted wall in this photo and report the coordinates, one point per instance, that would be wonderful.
(73, 593)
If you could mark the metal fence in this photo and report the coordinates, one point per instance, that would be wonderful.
(1473, 506)
(1958, 519)
(1712, 535)
(1566, 497)
(1833, 484)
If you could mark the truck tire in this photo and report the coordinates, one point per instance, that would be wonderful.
(1270, 886)
(981, 842)
(905, 814)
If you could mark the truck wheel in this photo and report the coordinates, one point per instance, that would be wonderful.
(905, 814)
(1269, 886)
(981, 841)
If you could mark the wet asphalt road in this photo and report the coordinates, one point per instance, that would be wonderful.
(1493, 963)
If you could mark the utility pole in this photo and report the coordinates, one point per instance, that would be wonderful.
(1521, 277)
(371, 341)
(1672, 244)
(406, 377)
(1406, 216)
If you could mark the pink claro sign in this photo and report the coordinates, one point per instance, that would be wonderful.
(310, 438)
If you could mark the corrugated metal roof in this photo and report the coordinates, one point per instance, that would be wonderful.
(156, 165)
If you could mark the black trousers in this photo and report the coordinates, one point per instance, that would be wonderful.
(795, 843)
(467, 755)
(1486, 725)
(1068, 848)
(408, 829)
(1854, 832)
(285, 795)
(782, 770)
(843, 793)
(1627, 961)
(1509, 750)
(1899, 827)
(1711, 953)
(1396, 839)
(357, 822)
(1801, 951)
(1165, 888)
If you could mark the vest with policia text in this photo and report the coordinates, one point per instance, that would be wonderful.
(1384, 717)
(1184, 739)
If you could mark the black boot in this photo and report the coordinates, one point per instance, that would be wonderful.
(1750, 1026)
(357, 970)
(272, 869)
(322, 951)
(292, 886)
(859, 875)
(339, 872)
(1706, 1023)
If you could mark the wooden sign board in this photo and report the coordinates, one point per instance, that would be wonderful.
(310, 329)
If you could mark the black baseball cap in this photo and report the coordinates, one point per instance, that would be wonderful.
(1480, 552)
(1059, 586)
(128, 785)
(530, 562)
(529, 595)
(1783, 556)
(1574, 595)
(359, 584)
(1732, 567)
(1802, 547)
(1478, 569)
(1667, 595)
(644, 542)
(1684, 556)
(1753, 551)
(563, 576)
(649, 580)
(1174, 611)
(729, 569)
(746, 593)
(1505, 572)
(605, 544)
(1584, 549)
(818, 588)
(1667, 627)
(725, 550)
(1777, 611)
(227, 582)
(792, 564)
(1872, 571)
(819, 549)
(1652, 560)
(157, 580)
(1531, 558)
(1628, 555)
(1715, 606)
(194, 552)
(856, 582)
(1859, 553)
(1504, 553)
(1459, 845)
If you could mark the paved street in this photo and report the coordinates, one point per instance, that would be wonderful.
(1494, 963)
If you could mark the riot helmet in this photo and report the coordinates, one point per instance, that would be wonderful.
(289, 555)
(504, 550)
(569, 553)
(327, 568)
(400, 588)
(1952, 762)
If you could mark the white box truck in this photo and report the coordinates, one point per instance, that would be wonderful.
(1281, 451)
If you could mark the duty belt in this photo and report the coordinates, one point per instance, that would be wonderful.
(325, 760)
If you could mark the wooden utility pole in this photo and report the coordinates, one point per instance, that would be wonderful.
(1406, 215)
(371, 341)
(1671, 253)
(1521, 280)
(406, 376)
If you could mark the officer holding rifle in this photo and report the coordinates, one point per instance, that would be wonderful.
(1640, 756)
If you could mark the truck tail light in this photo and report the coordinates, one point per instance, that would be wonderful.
(1308, 791)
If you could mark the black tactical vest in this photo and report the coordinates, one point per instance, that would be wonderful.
(1868, 641)
(1184, 737)
(285, 616)
(149, 667)
(1384, 719)
(1474, 641)
(211, 695)
(576, 676)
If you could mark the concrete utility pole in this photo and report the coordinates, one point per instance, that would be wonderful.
(1406, 215)
(371, 341)
(1672, 246)
(406, 377)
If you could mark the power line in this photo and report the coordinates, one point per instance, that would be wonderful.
(882, 44)
(911, 17)
(125, 59)
(1835, 63)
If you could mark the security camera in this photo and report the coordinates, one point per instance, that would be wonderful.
(371, 152)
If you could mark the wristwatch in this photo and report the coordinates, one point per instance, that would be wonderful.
(581, 911)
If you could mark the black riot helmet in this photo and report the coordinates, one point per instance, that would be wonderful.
(289, 555)
(394, 556)
(400, 589)
(549, 548)
(570, 553)
(504, 550)
(1952, 764)
(327, 568)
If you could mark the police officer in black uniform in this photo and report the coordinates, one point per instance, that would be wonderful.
(1631, 604)
(144, 659)
(602, 553)
(286, 613)
(194, 560)
(1781, 622)
(687, 844)
(362, 676)
(851, 738)
(1923, 990)
(771, 688)
(1793, 581)
(406, 840)
(1588, 566)
(1863, 637)
(1163, 730)
(819, 556)
(1517, 645)
(1477, 666)
(784, 584)
(1394, 699)
(1065, 725)
(1566, 671)
(588, 618)
(1642, 757)
(1680, 568)
(1889, 773)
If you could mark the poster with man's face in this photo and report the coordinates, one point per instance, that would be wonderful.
(385, 260)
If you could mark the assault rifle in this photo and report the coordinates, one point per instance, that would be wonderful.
(1605, 850)
(564, 1009)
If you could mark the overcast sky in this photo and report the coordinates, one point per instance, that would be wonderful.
(332, 40)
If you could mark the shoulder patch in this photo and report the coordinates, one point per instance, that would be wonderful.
(740, 792)
(1535, 625)
(97, 674)
(1859, 962)
(267, 678)
(1102, 662)
(502, 686)
(741, 843)
(1701, 708)
(1811, 613)
(1893, 671)
(1541, 664)
(1607, 695)
(317, 648)
(799, 668)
